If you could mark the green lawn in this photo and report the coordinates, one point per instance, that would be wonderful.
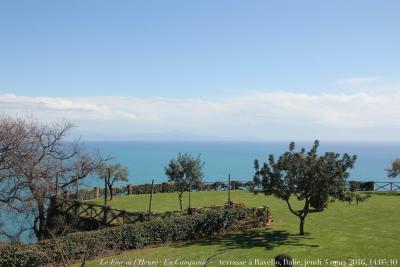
(370, 230)
(169, 201)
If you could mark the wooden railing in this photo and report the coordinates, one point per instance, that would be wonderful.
(387, 186)
(97, 192)
(130, 189)
(108, 216)
(100, 213)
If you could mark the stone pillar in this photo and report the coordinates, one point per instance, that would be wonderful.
(96, 191)
(269, 217)
(130, 189)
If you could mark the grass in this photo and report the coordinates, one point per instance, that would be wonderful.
(169, 201)
(367, 231)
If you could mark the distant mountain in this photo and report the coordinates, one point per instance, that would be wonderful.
(161, 136)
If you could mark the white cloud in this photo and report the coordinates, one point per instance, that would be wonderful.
(272, 115)
(360, 80)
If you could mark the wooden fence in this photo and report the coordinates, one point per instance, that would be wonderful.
(130, 189)
(97, 192)
(387, 186)
(107, 216)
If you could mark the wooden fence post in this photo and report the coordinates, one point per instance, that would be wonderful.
(65, 195)
(229, 188)
(151, 194)
(190, 194)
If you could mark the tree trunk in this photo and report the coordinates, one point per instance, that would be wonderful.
(41, 228)
(111, 192)
(304, 214)
(105, 192)
(302, 220)
(180, 201)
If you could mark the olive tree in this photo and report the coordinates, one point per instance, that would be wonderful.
(306, 176)
(185, 172)
(394, 171)
(112, 173)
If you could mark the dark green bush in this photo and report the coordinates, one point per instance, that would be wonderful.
(88, 193)
(283, 260)
(157, 231)
(361, 186)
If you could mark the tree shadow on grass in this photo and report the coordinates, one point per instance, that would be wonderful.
(255, 238)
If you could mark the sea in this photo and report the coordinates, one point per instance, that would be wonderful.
(147, 160)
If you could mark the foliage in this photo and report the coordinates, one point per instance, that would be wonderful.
(154, 232)
(112, 173)
(18, 256)
(283, 260)
(355, 196)
(394, 171)
(361, 186)
(307, 176)
(218, 185)
(186, 173)
(158, 188)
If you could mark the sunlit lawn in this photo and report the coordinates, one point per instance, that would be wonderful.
(370, 230)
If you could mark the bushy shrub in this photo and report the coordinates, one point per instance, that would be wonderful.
(283, 260)
(157, 231)
(18, 256)
(361, 186)
(355, 196)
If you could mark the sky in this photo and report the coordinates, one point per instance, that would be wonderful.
(223, 70)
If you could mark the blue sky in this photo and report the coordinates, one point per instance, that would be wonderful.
(210, 51)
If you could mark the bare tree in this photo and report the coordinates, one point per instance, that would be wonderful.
(76, 169)
(33, 158)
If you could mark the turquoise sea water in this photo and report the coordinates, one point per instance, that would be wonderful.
(146, 160)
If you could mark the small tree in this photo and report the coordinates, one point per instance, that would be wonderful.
(185, 172)
(112, 173)
(306, 176)
(395, 170)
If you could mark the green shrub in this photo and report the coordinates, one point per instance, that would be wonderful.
(18, 256)
(356, 196)
(361, 186)
(156, 231)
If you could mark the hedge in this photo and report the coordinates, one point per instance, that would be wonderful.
(361, 186)
(158, 231)
(86, 194)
